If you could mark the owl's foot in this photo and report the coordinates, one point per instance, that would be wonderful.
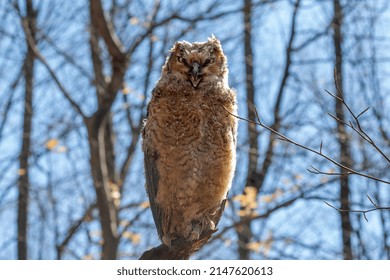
(195, 232)
(192, 231)
(168, 238)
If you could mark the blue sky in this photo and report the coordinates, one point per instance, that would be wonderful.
(61, 183)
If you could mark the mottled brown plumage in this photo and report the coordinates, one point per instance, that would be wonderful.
(189, 141)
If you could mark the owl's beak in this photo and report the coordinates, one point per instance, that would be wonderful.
(194, 74)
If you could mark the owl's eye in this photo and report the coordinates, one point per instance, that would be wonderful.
(209, 61)
(180, 59)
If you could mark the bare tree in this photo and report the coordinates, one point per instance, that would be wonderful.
(24, 183)
(256, 176)
(343, 138)
(244, 232)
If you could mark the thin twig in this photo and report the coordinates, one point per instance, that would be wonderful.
(364, 212)
(33, 45)
(320, 153)
(359, 130)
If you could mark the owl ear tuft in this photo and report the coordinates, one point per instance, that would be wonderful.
(180, 47)
(215, 43)
(176, 47)
(214, 39)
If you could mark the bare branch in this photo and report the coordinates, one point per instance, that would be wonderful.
(32, 44)
(364, 212)
(285, 138)
(73, 230)
(106, 30)
(372, 202)
(8, 103)
(365, 110)
(315, 170)
(359, 130)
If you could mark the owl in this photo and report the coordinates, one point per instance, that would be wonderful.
(189, 141)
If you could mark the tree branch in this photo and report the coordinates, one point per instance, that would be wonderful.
(320, 153)
(181, 249)
(73, 229)
(364, 212)
(33, 45)
(106, 30)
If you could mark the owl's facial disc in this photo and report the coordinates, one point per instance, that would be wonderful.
(194, 74)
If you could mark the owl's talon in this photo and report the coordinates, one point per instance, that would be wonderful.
(210, 225)
(196, 231)
(193, 231)
(194, 236)
(167, 239)
(187, 231)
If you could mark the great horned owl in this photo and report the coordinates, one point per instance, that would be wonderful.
(189, 141)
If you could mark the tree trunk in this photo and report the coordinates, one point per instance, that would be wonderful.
(100, 132)
(256, 176)
(344, 142)
(244, 232)
(108, 211)
(23, 182)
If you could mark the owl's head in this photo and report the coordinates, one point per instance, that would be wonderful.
(197, 63)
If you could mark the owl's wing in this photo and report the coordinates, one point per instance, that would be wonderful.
(219, 212)
(152, 177)
(151, 173)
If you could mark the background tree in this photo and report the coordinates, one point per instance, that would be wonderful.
(24, 183)
(343, 138)
(94, 64)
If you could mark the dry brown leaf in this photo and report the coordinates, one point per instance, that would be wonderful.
(51, 144)
(247, 200)
(126, 90)
(144, 205)
(135, 238)
(298, 177)
(134, 20)
(88, 257)
(61, 149)
(22, 172)
(154, 38)
(228, 242)
(262, 246)
(254, 246)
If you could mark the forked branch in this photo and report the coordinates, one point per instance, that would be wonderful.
(364, 212)
(319, 152)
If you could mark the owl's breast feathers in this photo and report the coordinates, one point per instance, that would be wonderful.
(189, 148)
(187, 117)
